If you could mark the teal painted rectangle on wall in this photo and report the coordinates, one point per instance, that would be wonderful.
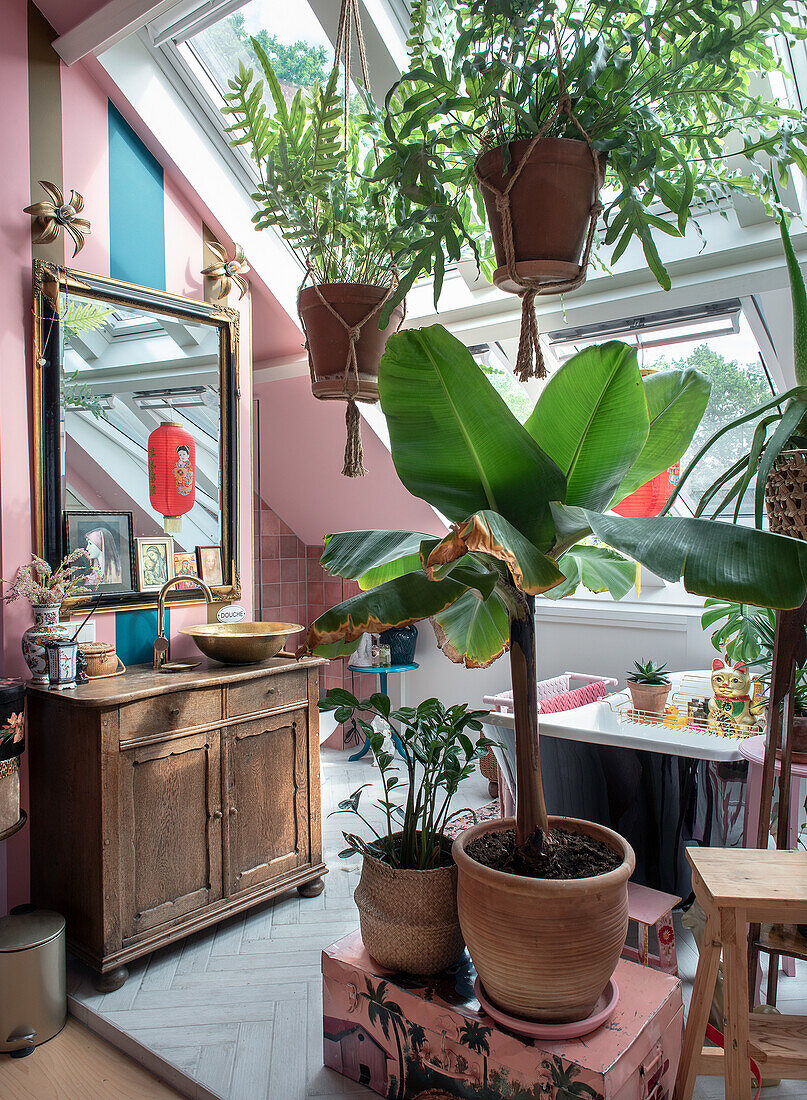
(135, 632)
(136, 208)
(136, 255)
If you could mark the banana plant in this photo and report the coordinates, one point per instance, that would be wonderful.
(520, 500)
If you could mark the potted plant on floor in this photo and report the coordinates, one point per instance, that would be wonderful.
(407, 894)
(649, 687)
(520, 498)
(316, 160)
(534, 100)
(776, 461)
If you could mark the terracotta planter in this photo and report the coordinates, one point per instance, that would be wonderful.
(650, 698)
(549, 206)
(327, 339)
(786, 495)
(409, 918)
(544, 950)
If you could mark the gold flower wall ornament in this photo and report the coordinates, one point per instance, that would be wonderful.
(54, 215)
(228, 271)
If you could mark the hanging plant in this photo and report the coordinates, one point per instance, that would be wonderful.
(659, 93)
(317, 157)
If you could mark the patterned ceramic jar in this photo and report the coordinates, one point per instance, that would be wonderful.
(61, 655)
(46, 627)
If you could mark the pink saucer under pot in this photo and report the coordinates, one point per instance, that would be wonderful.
(536, 1029)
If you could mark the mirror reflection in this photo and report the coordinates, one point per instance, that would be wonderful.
(140, 432)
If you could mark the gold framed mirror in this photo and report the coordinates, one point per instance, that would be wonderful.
(135, 436)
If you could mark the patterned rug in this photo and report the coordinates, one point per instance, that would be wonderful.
(463, 821)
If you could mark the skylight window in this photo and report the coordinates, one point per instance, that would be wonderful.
(715, 339)
(297, 46)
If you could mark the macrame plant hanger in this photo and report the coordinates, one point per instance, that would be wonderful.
(530, 359)
(349, 21)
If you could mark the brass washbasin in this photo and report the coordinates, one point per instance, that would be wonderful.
(241, 643)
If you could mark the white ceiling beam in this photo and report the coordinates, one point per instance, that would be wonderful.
(110, 24)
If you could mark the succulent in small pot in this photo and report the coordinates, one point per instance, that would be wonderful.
(649, 687)
(407, 895)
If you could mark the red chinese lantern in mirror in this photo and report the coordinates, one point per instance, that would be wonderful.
(651, 497)
(172, 474)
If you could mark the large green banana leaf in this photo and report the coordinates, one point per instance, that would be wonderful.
(372, 557)
(598, 569)
(399, 602)
(472, 631)
(676, 402)
(592, 419)
(454, 441)
(714, 559)
(489, 533)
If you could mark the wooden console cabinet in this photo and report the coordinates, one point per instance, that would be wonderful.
(160, 804)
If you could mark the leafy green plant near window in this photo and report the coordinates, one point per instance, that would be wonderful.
(666, 91)
(520, 498)
(437, 755)
(782, 419)
(317, 184)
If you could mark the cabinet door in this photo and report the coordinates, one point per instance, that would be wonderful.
(267, 798)
(171, 829)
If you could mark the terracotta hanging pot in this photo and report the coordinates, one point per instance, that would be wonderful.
(786, 495)
(408, 918)
(544, 949)
(550, 208)
(328, 340)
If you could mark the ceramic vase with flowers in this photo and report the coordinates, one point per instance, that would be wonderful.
(46, 589)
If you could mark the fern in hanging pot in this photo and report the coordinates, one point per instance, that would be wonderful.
(317, 157)
(510, 112)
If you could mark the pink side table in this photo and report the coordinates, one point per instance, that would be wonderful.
(753, 750)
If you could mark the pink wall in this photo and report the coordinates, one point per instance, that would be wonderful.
(15, 294)
(302, 448)
(85, 130)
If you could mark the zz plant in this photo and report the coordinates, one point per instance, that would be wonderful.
(437, 754)
(520, 498)
(666, 92)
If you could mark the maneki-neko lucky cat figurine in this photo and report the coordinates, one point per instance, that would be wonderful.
(732, 711)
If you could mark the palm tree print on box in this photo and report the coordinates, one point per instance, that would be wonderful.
(389, 1016)
(475, 1037)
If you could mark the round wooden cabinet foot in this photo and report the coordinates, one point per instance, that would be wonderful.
(111, 980)
(311, 889)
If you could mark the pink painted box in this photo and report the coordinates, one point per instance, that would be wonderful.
(407, 1038)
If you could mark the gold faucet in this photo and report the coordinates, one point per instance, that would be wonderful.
(162, 645)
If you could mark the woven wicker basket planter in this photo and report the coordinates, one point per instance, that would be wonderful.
(786, 495)
(408, 918)
(490, 770)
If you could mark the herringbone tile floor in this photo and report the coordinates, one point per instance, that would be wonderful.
(236, 1012)
(238, 1009)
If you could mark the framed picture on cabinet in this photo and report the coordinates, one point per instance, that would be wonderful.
(208, 558)
(108, 541)
(155, 562)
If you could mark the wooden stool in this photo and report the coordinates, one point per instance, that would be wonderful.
(735, 887)
(653, 909)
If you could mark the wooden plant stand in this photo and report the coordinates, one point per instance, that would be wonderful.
(736, 886)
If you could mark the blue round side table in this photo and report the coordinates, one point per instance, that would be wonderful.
(383, 671)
